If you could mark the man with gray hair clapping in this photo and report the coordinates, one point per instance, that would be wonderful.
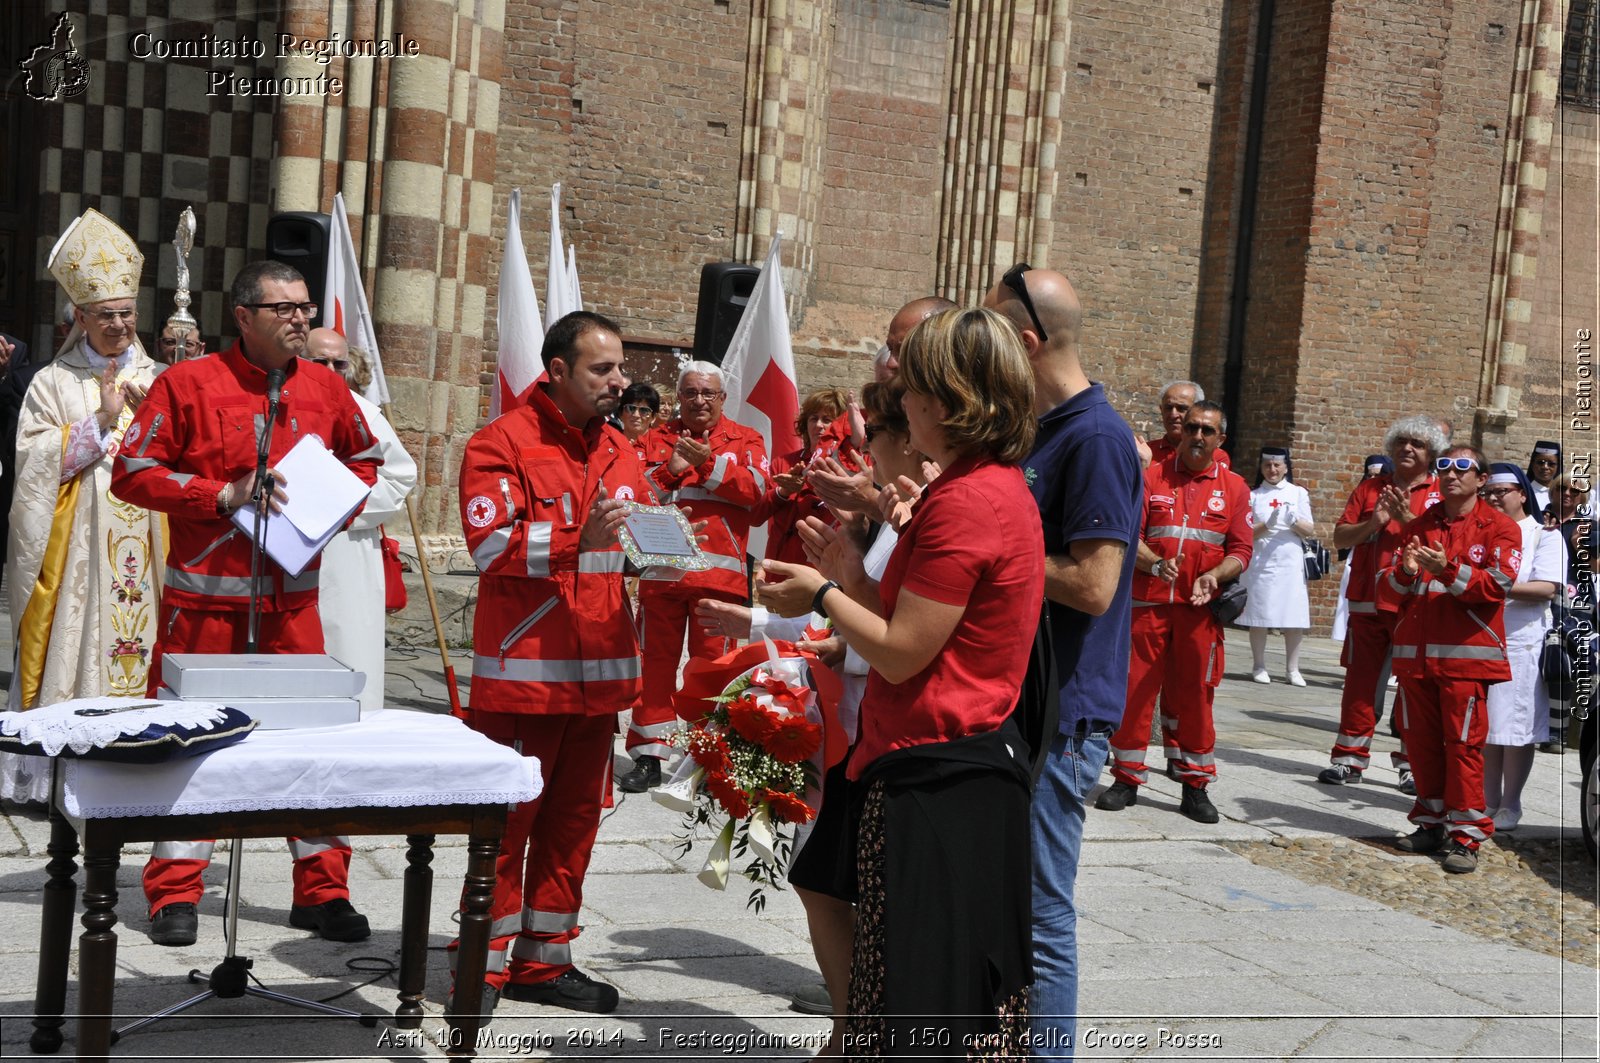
(1373, 529)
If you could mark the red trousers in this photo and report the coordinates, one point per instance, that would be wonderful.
(1177, 653)
(173, 874)
(1366, 679)
(544, 854)
(668, 610)
(1446, 722)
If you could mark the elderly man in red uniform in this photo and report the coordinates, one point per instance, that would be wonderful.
(555, 657)
(718, 470)
(191, 453)
(1176, 398)
(1448, 588)
(1373, 528)
(1196, 537)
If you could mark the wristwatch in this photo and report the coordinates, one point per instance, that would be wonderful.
(1155, 566)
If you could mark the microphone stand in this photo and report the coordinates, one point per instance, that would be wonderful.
(260, 498)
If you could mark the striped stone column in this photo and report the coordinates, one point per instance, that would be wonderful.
(785, 123)
(439, 123)
(1007, 72)
(1509, 321)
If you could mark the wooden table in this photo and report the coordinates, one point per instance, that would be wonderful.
(414, 774)
(103, 839)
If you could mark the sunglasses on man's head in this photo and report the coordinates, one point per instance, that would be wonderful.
(1207, 430)
(1014, 280)
(1458, 464)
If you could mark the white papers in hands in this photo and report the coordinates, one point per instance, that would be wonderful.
(323, 493)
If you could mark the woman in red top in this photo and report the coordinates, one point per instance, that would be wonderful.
(944, 784)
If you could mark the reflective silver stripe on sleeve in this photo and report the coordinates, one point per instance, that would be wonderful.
(601, 561)
(1199, 760)
(1500, 578)
(1175, 531)
(761, 481)
(723, 561)
(1402, 588)
(155, 426)
(181, 850)
(538, 539)
(133, 464)
(306, 581)
(554, 953)
(719, 471)
(300, 848)
(1354, 741)
(537, 922)
(1408, 653)
(180, 478)
(374, 451)
(516, 670)
(690, 494)
(493, 546)
(505, 926)
(1463, 577)
(1363, 607)
(505, 493)
(366, 436)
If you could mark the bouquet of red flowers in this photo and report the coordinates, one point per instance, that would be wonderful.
(756, 750)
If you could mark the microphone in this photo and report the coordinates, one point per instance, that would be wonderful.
(274, 386)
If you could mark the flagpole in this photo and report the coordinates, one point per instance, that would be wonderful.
(433, 605)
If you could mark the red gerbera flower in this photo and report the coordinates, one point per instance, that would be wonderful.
(751, 719)
(734, 801)
(794, 739)
(788, 807)
(710, 750)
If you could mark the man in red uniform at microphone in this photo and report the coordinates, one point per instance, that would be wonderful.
(191, 452)
(718, 470)
(1196, 537)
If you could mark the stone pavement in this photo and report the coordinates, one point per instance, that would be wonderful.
(1189, 950)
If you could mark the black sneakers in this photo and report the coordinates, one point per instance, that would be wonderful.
(175, 925)
(1339, 775)
(487, 1002)
(1422, 840)
(646, 775)
(1197, 806)
(1118, 796)
(335, 920)
(571, 989)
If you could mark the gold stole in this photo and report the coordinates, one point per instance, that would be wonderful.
(33, 632)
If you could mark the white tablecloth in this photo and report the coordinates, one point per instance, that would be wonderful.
(391, 759)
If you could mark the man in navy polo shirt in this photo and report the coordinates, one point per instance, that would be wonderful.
(1085, 474)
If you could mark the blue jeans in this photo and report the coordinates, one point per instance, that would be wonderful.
(1059, 802)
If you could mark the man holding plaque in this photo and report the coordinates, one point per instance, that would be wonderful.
(718, 470)
(543, 491)
(191, 453)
